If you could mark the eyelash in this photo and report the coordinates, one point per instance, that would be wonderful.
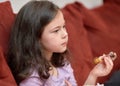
(56, 30)
(64, 26)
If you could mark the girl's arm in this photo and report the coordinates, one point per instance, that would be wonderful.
(32, 80)
(101, 69)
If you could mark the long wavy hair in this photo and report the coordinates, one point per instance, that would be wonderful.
(24, 51)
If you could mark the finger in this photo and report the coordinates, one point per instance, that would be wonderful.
(98, 59)
(108, 63)
(101, 57)
(67, 83)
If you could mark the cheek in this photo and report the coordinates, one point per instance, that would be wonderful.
(50, 43)
(50, 46)
(53, 43)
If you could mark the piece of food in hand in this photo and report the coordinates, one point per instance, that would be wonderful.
(97, 60)
(112, 55)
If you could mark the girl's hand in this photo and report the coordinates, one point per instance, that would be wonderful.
(103, 68)
(67, 83)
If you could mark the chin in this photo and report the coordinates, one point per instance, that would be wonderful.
(63, 50)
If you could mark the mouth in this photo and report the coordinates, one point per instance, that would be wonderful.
(64, 44)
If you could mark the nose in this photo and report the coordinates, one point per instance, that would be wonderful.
(64, 33)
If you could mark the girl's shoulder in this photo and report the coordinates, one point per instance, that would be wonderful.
(32, 80)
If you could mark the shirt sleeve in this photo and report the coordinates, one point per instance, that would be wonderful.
(31, 81)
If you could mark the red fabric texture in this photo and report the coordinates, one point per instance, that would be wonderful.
(100, 30)
(78, 42)
(104, 42)
(6, 20)
(112, 1)
(6, 78)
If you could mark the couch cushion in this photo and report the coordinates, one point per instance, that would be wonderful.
(6, 20)
(78, 42)
(92, 33)
(102, 25)
(6, 78)
(112, 1)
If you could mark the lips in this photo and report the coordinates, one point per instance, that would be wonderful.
(64, 44)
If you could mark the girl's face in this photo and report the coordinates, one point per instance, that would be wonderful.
(54, 37)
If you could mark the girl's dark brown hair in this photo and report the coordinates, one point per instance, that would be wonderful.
(24, 53)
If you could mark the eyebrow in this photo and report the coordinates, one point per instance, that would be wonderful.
(58, 26)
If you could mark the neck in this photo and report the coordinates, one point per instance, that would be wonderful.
(47, 55)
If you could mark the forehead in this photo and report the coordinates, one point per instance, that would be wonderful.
(57, 21)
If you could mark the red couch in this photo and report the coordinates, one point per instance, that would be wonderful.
(91, 33)
(6, 20)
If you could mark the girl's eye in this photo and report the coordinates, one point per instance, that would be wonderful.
(56, 30)
(64, 26)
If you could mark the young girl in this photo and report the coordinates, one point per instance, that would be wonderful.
(38, 54)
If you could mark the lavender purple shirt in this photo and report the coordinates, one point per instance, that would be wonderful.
(64, 73)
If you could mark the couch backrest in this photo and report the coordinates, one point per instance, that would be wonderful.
(92, 33)
(6, 77)
(6, 19)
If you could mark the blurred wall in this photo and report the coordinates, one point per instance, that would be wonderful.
(17, 4)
